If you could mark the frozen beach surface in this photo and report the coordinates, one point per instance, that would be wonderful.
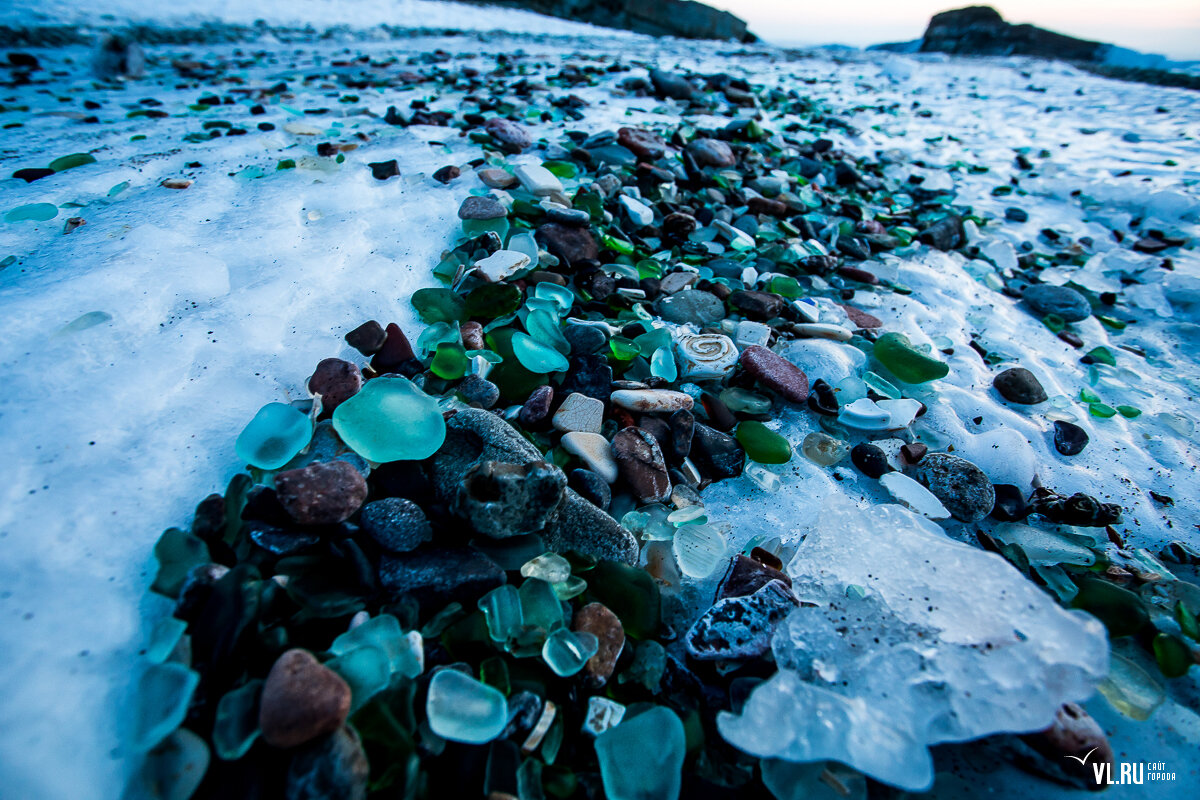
(134, 348)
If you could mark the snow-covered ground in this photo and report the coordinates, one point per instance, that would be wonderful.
(134, 348)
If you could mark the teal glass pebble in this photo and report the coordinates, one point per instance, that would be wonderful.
(763, 444)
(537, 357)
(744, 401)
(545, 328)
(642, 758)
(653, 340)
(163, 695)
(540, 605)
(436, 334)
(502, 611)
(166, 636)
(561, 296)
(273, 438)
(34, 212)
(906, 362)
(565, 652)
(462, 709)
(236, 724)
(524, 243)
(390, 419)
(365, 670)
(881, 386)
(403, 651)
(662, 365)
(175, 768)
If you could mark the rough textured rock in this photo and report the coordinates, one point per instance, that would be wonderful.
(336, 381)
(397, 524)
(502, 500)
(642, 465)
(597, 619)
(321, 494)
(740, 627)
(473, 435)
(440, 575)
(717, 454)
(962, 487)
(301, 699)
(775, 372)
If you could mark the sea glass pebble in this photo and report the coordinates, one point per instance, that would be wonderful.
(642, 758)
(566, 651)
(537, 357)
(463, 709)
(906, 362)
(273, 438)
(391, 420)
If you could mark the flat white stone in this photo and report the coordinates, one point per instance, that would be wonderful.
(639, 212)
(501, 264)
(822, 330)
(649, 400)
(808, 309)
(579, 413)
(594, 451)
(750, 333)
(538, 180)
(677, 281)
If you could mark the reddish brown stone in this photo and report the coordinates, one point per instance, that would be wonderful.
(746, 576)
(644, 144)
(301, 700)
(1074, 735)
(569, 243)
(598, 620)
(321, 494)
(336, 381)
(862, 319)
(472, 335)
(510, 135)
(642, 465)
(775, 372)
(763, 205)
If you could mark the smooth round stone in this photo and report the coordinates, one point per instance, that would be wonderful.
(584, 338)
(594, 451)
(823, 449)
(690, 306)
(511, 135)
(1044, 298)
(705, 356)
(391, 420)
(711, 153)
(462, 709)
(335, 381)
(865, 415)
(870, 460)
(301, 700)
(910, 365)
(496, 178)
(763, 444)
(961, 486)
(537, 180)
(481, 208)
(537, 357)
(1069, 439)
(273, 438)
(648, 401)
(1019, 385)
(321, 494)
(821, 330)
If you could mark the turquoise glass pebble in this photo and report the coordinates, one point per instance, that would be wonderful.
(164, 693)
(273, 438)
(462, 709)
(502, 611)
(642, 758)
(404, 651)
(545, 329)
(176, 767)
(565, 652)
(537, 357)
(662, 365)
(236, 725)
(391, 420)
(561, 296)
(540, 605)
(34, 212)
(366, 670)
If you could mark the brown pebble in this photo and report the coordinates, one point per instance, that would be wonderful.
(301, 700)
(860, 275)
(336, 381)
(598, 620)
(497, 178)
(395, 350)
(746, 576)
(861, 319)
(321, 494)
(1074, 733)
(914, 452)
(367, 338)
(472, 336)
(641, 462)
(775, 372)
(447, 174)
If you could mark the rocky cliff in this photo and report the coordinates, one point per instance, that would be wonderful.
(981, 31)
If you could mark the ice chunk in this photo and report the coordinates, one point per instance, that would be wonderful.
(902, 657)
(914, 495)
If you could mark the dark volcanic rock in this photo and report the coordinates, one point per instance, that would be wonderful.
(1069, 438)
(440, 575)
(397, 524)
(1019, 385)
(981, 31)
(962, 487)
(502, 500)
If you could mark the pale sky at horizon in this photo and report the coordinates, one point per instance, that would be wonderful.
(1168, 27)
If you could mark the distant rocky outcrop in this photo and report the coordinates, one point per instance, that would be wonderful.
(981, 31)
(682, 18)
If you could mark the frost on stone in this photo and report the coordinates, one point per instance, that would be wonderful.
(907, 639)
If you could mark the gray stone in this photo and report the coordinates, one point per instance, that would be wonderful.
(740, 627)
(440, 575)
(642, 465)
(481, 207)
(477, 391)
(691, 305)
(333, 767)
(1043, 299)
(473, 435)
(502, 500)
(1019, 385)
(397, 524)
(962, 487)
(584, 338)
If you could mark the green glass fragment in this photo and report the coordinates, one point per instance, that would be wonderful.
(1102, 410)
(1055, 323)
(619, 245)
(1129, 412)
(630, 593)
(1088, 396)
(174, 769)
(235, 727)
(439, 305)
(450, 362)
(493, 300)
(786, 286)
(623, 349)
(906, 362)
(1172, 654)
(64, 163)
(1121, 611)
(177, 553)
(1102, 355)
(763, 444)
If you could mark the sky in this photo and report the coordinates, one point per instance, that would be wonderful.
(1167, 27)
